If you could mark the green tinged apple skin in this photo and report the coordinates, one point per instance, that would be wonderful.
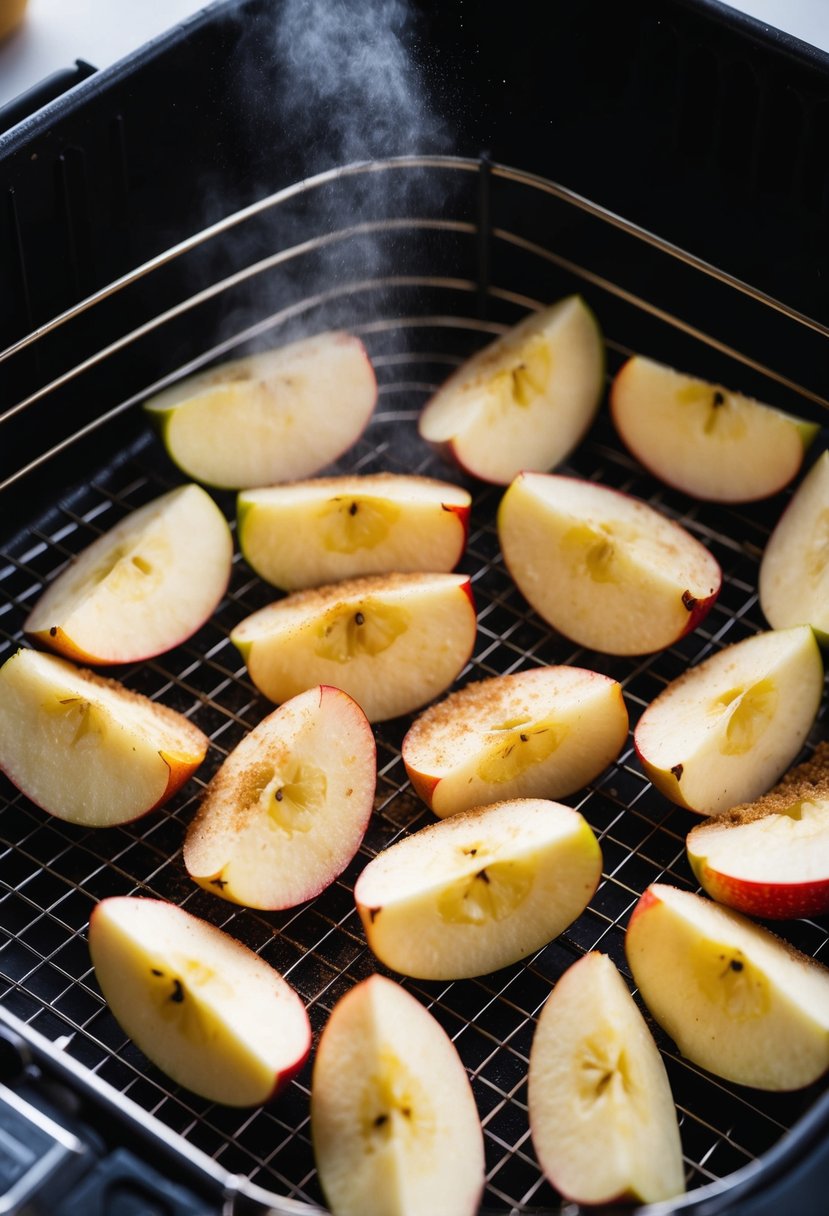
(244, 649)
(766, 900)
(397, 948)
(806, 430)
(161, 421)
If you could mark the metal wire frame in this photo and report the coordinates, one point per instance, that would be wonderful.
(52, 873)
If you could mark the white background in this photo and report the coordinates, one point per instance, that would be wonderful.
(57, 32)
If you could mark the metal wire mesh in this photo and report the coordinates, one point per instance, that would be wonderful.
(417, 324)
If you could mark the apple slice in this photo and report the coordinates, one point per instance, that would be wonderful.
(143, 587)
(735, 999)
(596, 1078)
(794, 570)
(286, 812)
(87, 749)
(480, 890)
(333, 528)
(394, 1124)
(702, 438)
(206, 1010)
(724, 731)
(606, 570)
(277, 415)
(543, 733)
(393, 642)
(770, 858)
(526, 400)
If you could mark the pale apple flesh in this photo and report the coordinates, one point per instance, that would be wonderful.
(305, 534)
(276, 415)
(288, 808)
(702, 438)
(770, 858)
(206, 1010)
(604, 569)
(541, 733)
(602, 1116)
(394, 1123)
(735, 999)
(526, 400)
(794, 570)
(392, 642)
(87, 749)
(141, 588)
(480, 890)
(724, 731)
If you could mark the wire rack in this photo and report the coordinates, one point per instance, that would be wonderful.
(438, 256)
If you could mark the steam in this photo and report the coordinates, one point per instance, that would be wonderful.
(339, 83)
(350, 85)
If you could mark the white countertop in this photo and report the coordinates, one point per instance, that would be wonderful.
(57, 32)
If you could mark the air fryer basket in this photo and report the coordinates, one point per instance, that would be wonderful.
(426, 257)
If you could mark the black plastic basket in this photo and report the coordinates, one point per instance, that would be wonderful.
(211, 194)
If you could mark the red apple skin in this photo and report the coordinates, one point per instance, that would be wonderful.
(787, 899)
(463, 513)
(281, 1079)
(646, 900)
(423, 785)
(179, 773)
(768, 901)
(667, 783)
(58, 642)
(287, 1075)
(180, 768)
(613, 407)
(448, 452)
(208, 882)
(698, 609)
